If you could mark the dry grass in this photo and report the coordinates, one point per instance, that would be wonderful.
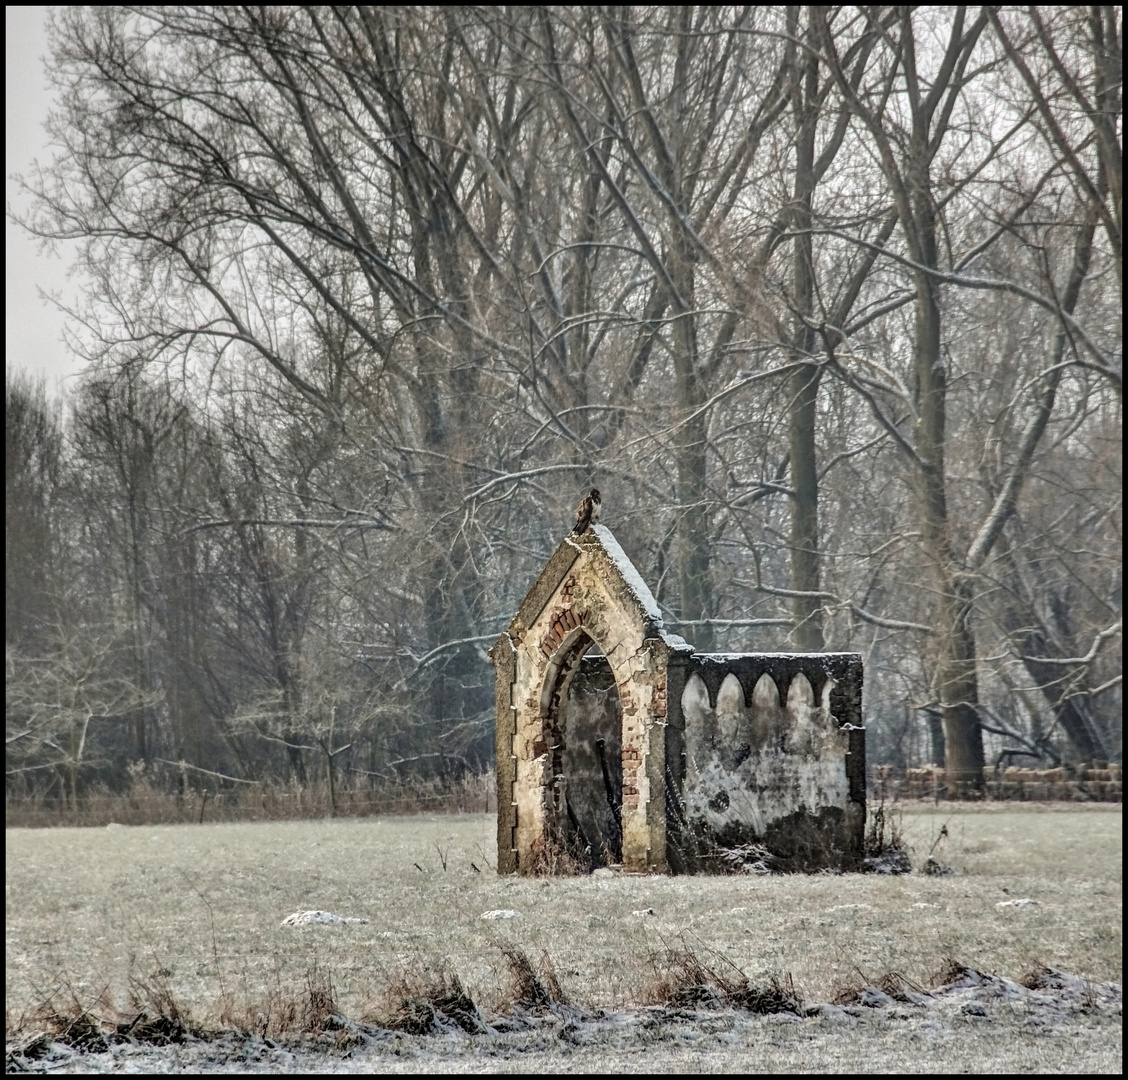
(892, 983)
(681, 977)
(64, 1017)
(152, 1015)
(103, 909)
(149, 802)
(529, 988)
(423, 1002)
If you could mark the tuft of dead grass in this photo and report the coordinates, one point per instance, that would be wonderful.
(533, 989)
(159, 1018)
(70, 1022)
(421, 1002)
(271, 1016)
(776, 996)
(320, 1006)
(680, 978)
(1037, 977)
(153, 1015)
(884, 847)
(557, 859)
(949, 971)
(313, 1012)
(528, 989)
(891, 983)
(898, 986)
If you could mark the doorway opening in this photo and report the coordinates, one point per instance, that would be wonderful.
(588, 766)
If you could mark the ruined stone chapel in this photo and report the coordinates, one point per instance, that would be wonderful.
(618, 744)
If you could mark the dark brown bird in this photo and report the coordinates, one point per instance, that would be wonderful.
(587, 513)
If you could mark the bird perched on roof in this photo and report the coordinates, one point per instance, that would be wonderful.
(587, 513)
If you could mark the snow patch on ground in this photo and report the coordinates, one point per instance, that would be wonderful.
(318, 918)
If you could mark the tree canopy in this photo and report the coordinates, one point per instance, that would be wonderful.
(826, 301)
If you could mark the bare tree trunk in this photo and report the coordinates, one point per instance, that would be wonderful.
(956, 679)
(1033, 641)
(806, 605)
(692, 543)
(958, 686)
(1072, 711)
(906, 165)
(327, 749)
(692, 538)
(935, 737)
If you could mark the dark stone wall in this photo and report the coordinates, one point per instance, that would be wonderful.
(844, 668)
(756, 793)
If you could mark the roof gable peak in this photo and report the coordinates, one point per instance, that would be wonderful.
(625, 584)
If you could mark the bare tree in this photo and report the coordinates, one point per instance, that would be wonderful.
(33, 483)
(816, 296)
(909, 116)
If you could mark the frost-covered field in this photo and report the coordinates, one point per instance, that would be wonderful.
(200, 908)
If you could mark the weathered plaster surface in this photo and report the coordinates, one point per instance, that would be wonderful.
(751, 766)
(769, 747)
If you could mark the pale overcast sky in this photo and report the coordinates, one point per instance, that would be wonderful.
(34, 330)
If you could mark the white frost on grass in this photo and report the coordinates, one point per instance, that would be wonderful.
(1062, 1011)
(502, 913)
(1024, 902)
(317, 918)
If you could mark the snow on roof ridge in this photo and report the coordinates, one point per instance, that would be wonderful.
(631, 576)
(634, 582)
(789, 653)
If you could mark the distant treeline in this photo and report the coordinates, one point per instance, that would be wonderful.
(826, 301)
(148, 800)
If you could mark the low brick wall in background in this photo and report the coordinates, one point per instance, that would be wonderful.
(1074, 783)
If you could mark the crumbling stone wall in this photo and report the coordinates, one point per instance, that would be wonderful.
(769, 763)
(657, 757)
(588, 594)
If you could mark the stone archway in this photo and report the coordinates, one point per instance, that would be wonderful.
(588, 592)
(587, 758)
(579, 749)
